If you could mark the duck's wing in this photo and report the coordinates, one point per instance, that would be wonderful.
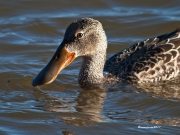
(147, 60)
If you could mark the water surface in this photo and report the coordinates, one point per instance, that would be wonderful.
(30, 32)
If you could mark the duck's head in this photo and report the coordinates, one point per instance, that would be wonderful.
(83, 37)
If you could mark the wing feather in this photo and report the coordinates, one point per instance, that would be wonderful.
(150, 60)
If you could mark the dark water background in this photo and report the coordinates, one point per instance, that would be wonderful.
(30, 32)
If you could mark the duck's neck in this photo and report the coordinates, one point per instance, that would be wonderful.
(91, 71)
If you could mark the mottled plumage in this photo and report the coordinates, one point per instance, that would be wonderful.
(151, 60)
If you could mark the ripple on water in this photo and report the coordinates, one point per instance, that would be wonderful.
(30, 32)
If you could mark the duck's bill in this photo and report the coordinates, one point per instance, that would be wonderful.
(61, 59)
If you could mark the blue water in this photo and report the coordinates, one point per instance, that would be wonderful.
(31, 31)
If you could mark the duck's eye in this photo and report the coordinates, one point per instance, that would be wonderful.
(79, 35)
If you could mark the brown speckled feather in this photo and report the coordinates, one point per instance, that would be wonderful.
(148, 61)
(151, 60)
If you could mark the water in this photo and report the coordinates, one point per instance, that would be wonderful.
(30, 32)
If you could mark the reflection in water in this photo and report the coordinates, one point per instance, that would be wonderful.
(82, 110)
(86, 107)
(67, 133)
(89, 106)
(166, 89)
(90, 102)
(167, 122)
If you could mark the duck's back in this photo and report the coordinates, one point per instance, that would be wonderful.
(148, 61)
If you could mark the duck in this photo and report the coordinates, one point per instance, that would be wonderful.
(152, 60)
